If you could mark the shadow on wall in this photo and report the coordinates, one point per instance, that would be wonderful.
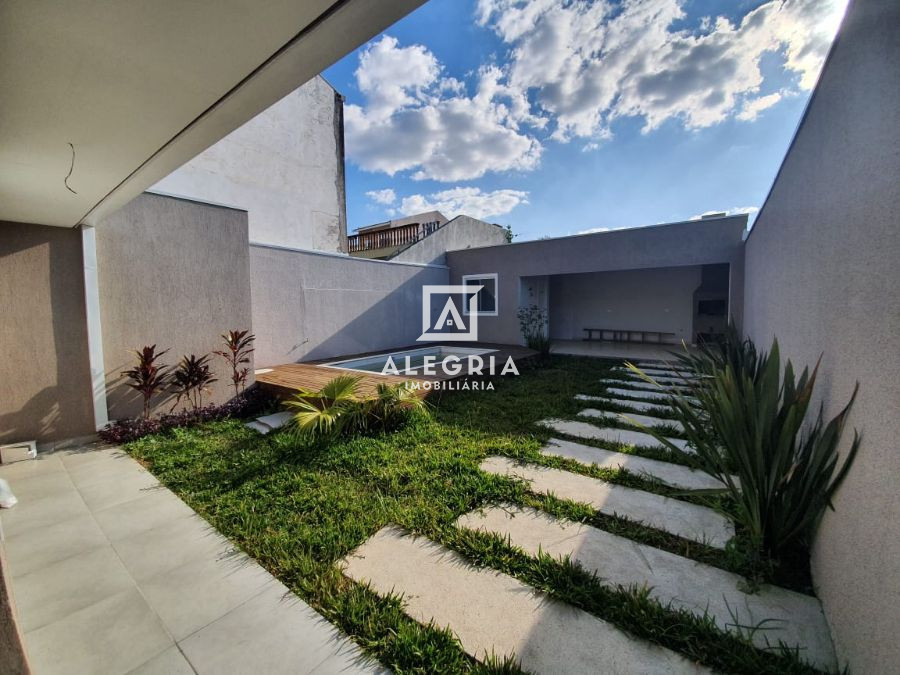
(308, 306)
(45, 384)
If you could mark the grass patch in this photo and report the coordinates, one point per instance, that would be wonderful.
(299, 508)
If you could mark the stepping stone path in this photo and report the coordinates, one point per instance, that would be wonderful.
(671, 474)
(611, 434)
(680, 518)
(495, 614)
(492, 613)
(631, 418)
(641, 406)
(793, 618)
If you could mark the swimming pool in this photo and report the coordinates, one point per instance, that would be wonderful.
(410, 361)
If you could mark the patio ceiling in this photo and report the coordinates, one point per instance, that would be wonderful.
(139, 88)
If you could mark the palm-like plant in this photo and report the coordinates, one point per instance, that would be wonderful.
(392, 405)
(751, 426)
(337, 409)
(238, 346)
(191, 379)
(146, 376)
(327, 412)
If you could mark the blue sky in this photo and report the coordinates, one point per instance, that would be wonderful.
(564, 117)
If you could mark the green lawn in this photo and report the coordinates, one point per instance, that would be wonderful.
(298, 508)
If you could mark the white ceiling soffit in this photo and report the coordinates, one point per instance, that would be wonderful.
(139, 88)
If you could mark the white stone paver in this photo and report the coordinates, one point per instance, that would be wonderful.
(663, 372)
(112, 573)
(674, 475)
(662, 396)
(632, 418)
(494, 613)
(794, 618)
(639, 406)
(641, 385)
(611, 434)
(269, 423)
(677, 517)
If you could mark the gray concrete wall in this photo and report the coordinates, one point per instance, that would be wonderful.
(656, 299)
(310, 305)
(696, 242)
(460, 233)
(176, 274)
(45, 382)
(822, 275)
(285, 167)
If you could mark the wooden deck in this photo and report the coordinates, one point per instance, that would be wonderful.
(286, 379)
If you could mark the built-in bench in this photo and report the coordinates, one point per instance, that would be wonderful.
(624, 335)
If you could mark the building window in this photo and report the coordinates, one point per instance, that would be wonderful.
(487, 296)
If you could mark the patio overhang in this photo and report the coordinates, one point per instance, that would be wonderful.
(101, 100)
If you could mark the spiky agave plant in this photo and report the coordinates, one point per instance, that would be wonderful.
(780, 475)
(328, 412)
(147, 376)
(191, 379)
(238, 346)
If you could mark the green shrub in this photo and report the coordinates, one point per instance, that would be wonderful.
(535, 326)
(338, 410)
(751, 425)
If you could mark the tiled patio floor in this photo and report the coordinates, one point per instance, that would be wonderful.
(615, 350)
(112, 573)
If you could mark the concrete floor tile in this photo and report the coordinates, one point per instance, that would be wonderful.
(117, 489)
(78, 457)
(274, 633)
(631, 418)
(112, 636)
(169, 662)
(793, 618)
(677, 517)
(29, 551)
(39, 486)
(673, 475)
(493, 613)
(154, 508)
(194, 595)
(55, 591)
(120, 466)
(152, 552)
(53, 509)
(611, 434)
(44, 463)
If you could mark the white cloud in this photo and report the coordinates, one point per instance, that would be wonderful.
(572, 69)
(753, 106)
(384, 197)
(468, 201)
(391, 76)
(589, 63)
(415, 120)
(594, 230)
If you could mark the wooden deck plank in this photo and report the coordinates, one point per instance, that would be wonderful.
(286, 379)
